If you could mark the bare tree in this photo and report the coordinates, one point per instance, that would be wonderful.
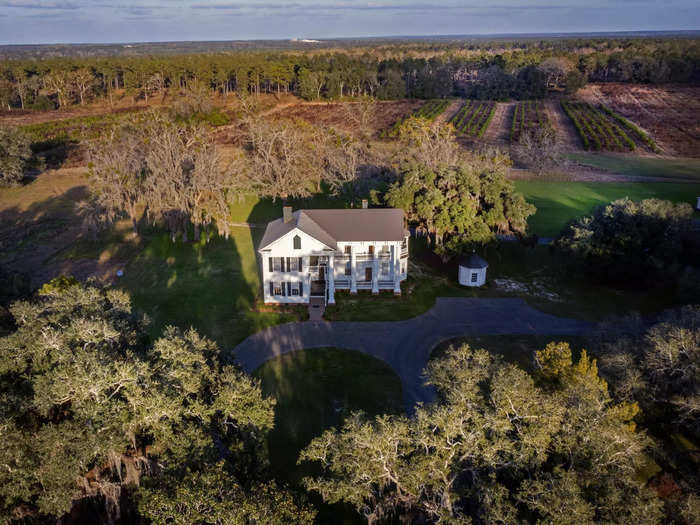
(429, 144)
(118, 173)
(286, 159)
(361, 114)
(539, 150)
(555, 70)
(83, 81)
(344, 159)
(58, 83)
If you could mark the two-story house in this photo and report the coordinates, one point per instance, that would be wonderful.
(312, 253)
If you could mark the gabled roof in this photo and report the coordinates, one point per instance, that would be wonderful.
(333, 226)
(473, 261)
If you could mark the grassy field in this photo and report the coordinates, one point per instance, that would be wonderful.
(675, 168)
(212, 286)
(315, 390)
(559, 202)
(253, 209)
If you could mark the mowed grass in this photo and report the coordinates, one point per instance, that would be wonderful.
(316, 389)
(559, 202)
(212, 286)
(256, 210)
(676, 168)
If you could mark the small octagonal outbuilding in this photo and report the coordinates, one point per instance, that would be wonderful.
(472, 270)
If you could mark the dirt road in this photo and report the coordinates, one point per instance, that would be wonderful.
(566, 132)
(498, 132)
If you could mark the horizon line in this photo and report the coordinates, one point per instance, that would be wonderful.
(320, 39)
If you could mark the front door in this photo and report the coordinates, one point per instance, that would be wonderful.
(368, 274)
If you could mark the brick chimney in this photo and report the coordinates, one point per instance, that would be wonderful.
(286, 213)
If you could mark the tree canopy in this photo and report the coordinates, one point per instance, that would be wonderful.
(629, 242)
(499, 446)
(91, 410)
(460, 199)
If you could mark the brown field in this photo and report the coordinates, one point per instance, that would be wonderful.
(334, 114)
(670, 114)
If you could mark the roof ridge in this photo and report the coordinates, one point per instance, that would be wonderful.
(315, 224)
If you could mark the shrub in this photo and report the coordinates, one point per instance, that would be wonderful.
(15, 156)
(627, 242)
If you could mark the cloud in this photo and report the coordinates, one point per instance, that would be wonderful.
(348, 6)
(56, 6)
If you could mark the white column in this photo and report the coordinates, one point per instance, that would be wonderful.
(396, 265)
(353, 271)
(375, 272)
(331, 279)
(265, 278)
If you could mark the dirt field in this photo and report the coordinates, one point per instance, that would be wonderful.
(335, 114)
(671, 114)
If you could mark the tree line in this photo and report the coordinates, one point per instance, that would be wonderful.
(392, 72)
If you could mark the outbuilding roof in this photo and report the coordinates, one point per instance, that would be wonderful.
(473, 261)
(343, 225)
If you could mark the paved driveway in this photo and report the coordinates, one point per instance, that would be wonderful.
(406, 345)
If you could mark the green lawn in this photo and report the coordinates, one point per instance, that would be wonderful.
(214, 287)
(676, 168)
(559, 202)
(256, 210)
(315, 390)
(548, 286)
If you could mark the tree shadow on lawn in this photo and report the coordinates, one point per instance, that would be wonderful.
(317, 389)
(212, 285)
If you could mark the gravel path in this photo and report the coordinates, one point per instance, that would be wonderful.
(406, 345)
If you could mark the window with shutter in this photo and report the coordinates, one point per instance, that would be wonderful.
(272, 288)
(289, 288)
(282, 264)
(301, 260)
(269, 261)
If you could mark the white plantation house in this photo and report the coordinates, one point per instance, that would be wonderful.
(309, 254)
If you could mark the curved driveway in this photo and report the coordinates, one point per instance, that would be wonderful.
(406, 345)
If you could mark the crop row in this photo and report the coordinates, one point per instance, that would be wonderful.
(597, 129)
(641, 134)
(429, 111)
(474, 117)
(528, 114)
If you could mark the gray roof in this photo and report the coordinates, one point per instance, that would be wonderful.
(473, 261)
(344, 225)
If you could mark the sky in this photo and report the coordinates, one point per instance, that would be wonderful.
(108, 21)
